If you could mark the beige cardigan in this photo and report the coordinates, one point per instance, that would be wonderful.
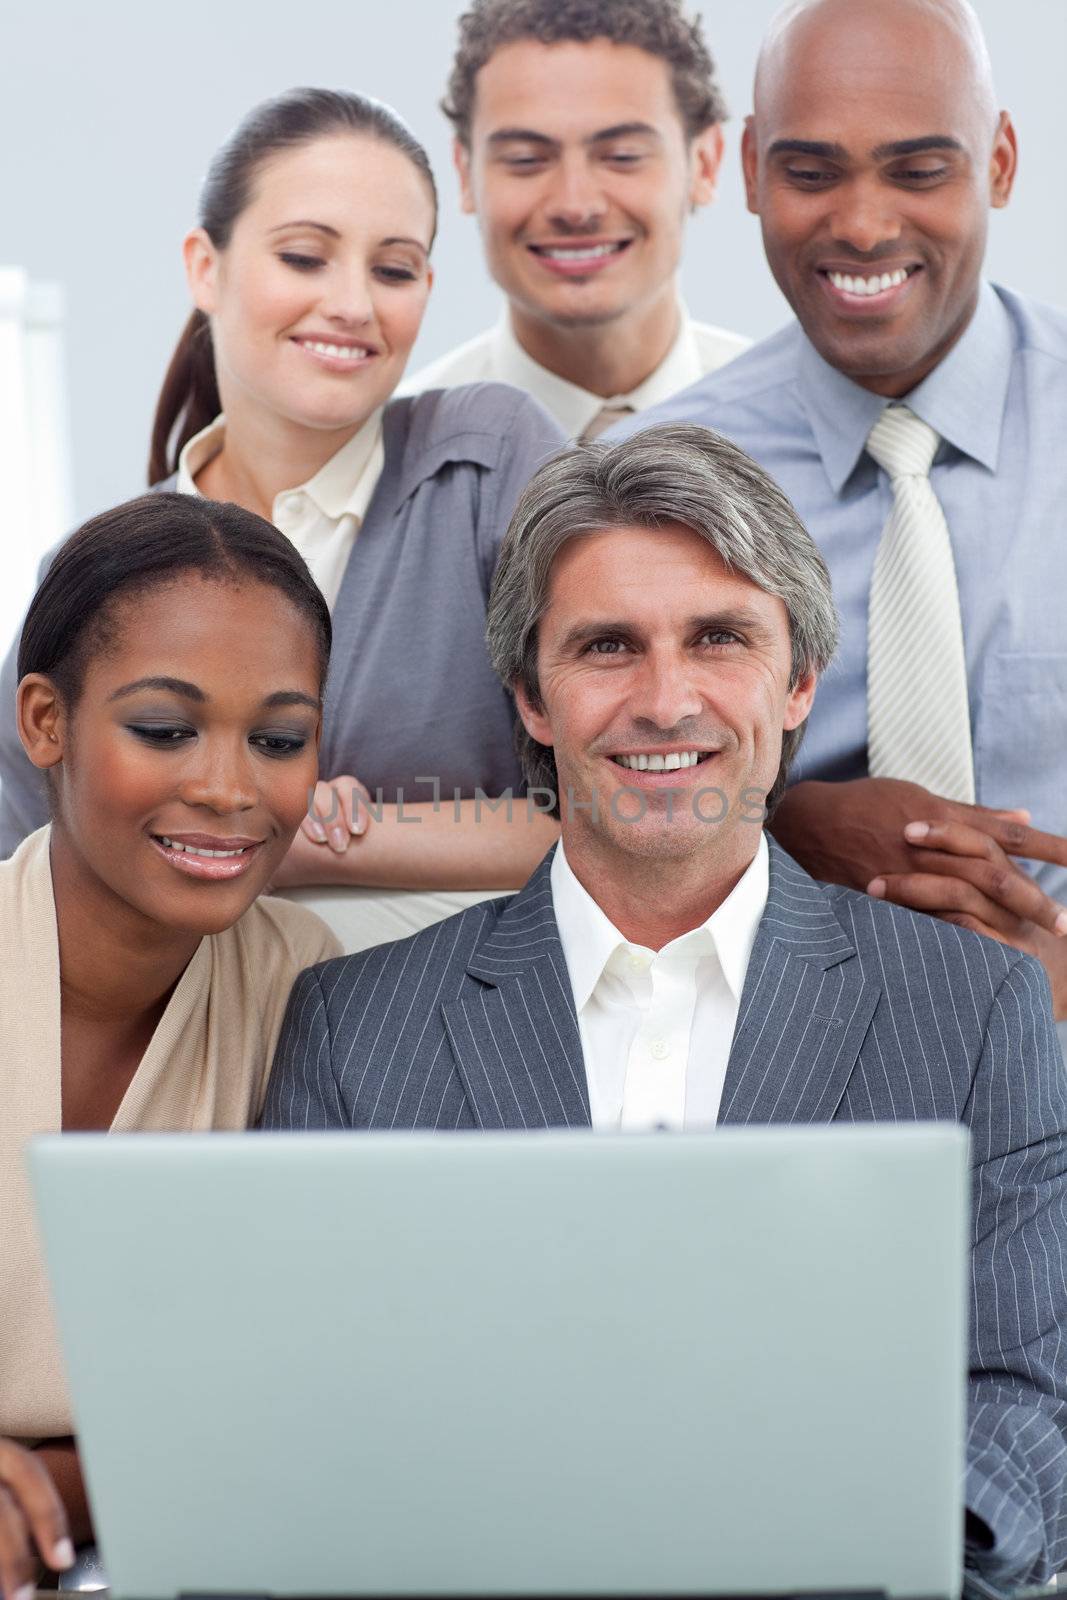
(206, 1067)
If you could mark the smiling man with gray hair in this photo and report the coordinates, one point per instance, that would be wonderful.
(662, 618)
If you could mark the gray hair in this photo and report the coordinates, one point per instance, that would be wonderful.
(675, 473)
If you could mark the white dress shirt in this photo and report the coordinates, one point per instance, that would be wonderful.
(322, 516)
(496, 356)
(657, 1027)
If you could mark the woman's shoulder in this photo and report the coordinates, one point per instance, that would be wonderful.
(491, 429)
(494, 409)
(28, 863)
(277, 938)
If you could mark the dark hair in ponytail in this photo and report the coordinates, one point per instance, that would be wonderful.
(189, 398)
(139, 545)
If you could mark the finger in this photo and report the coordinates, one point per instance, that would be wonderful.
(18, 1570)
(1021, 812)
(313, 822)
(28, 1481)
(355, 803)
(1014, 835)
(327, 823)
(936, 892)
(956, 850)
(958, 837)
(976, 925)
(312, 828)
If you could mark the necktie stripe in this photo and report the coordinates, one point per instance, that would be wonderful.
(605, 418)
(918, 717)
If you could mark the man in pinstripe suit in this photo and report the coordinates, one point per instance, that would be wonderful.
(663, 617)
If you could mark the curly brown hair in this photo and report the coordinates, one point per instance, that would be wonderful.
(658, 26)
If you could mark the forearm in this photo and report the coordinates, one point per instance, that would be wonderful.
(60, 1456)
(432, 846)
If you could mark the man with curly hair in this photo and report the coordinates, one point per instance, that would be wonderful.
(586, 132)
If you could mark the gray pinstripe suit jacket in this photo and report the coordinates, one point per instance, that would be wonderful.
(853, 1010)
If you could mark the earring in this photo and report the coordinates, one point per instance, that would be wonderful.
(53, 738)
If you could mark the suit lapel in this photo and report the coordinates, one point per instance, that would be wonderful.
(804, 1011)
(515, 1034)
(804, 1014)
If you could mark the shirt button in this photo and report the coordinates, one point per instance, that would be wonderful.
(659, 1049)
(637, 963)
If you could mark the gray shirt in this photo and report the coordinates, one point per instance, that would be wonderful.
(411, 694)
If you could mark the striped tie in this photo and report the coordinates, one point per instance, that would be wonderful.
(918, 721)
(606, 418)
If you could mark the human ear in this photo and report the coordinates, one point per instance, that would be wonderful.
(1003, 162)
(40, 720)
(461, 158)
(533, 717)
(201, 269)
(707, 151)
(750, 164)
(800, 700)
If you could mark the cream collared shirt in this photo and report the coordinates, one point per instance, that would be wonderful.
(496, 356)
(657, 1027)
(205, 1067)
(322, 516)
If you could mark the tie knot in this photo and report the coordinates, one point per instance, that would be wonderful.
(608, 415)
(902, 443)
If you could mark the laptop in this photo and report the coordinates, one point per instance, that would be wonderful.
(399, 1364)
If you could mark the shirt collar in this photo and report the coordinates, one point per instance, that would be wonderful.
(590, 940)
(342, 486)
(963, 399)
(197, 452)
(575, 407)
(736, 922)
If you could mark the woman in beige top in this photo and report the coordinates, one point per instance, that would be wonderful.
(171, 671)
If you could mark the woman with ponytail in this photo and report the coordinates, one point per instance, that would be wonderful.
(309, 271)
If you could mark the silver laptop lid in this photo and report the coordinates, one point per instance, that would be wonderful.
(536, 1363)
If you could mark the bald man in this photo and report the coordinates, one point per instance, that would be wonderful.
(917, 417)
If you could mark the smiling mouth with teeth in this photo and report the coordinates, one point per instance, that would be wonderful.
(877, 283)
(661, 763)
(194, 850)
(340, 352)
(572, 254)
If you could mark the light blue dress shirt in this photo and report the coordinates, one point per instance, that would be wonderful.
(999, 402)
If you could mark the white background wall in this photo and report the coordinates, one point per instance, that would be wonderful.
(109, 113)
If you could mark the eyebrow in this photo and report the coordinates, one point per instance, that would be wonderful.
(623, 130)
(332, 233)
(189, 691)
(306, 222)
(740, 618)
(916, 147)
(403, 239)
(619, 130)
(292, 697)
(881, 152)
(178, 686)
